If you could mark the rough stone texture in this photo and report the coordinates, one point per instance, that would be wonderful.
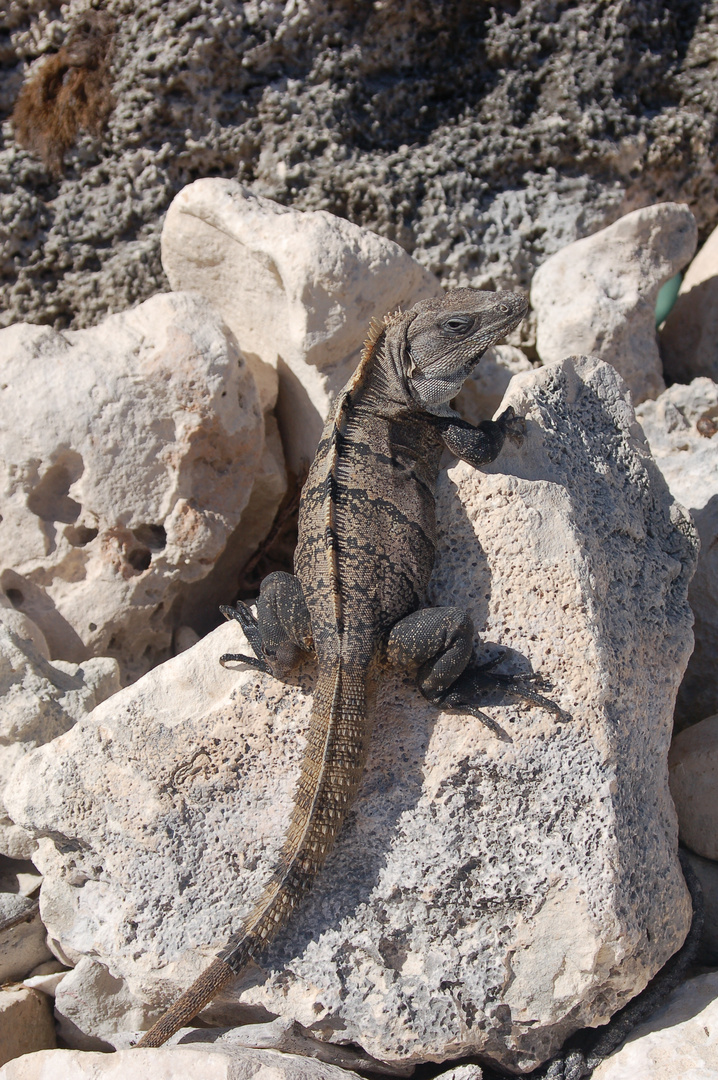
(693, 773)
(598, 295)
(486, 896)
(128, 454)
(172, 1063)
(689, 338)
(679, 1042)
(707, 873)
(483, 392)
(22, 937)
(481, 137)
(40, 700)
(682, 430)
(297, 289)
(280, 1034)
(91, 1005)
(26, 1024)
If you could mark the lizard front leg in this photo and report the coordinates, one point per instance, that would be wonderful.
(480, 445)
(440, 641)
(281, 634)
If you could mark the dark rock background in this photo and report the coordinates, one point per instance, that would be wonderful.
(481, 137)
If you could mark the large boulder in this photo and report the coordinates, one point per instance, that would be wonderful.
(487, 895)
(127, 455)
(26, 1024)
(297, 289)
(598, 295)
(682, 429)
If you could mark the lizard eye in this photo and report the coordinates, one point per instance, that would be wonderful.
(458, 324)
(504, 309)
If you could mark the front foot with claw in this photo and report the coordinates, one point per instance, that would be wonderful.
(245, 617)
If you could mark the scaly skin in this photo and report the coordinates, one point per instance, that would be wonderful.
(367, 542)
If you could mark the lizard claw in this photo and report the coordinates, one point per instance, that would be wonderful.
(514, 426)
(246, 619)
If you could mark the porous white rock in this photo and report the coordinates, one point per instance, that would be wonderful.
(26, 1024)
(689, 338)
(39, 700)
(172, 1063)
(679, 1042)
(482, 393)
(682, 429)
(128, 452)
(486, 896)
(693, 772)
(598, 295)
(297, 289)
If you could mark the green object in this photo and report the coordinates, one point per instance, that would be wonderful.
(667, 297)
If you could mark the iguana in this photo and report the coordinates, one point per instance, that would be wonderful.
(367, 542)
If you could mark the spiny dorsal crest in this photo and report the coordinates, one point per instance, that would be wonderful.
(376, 329)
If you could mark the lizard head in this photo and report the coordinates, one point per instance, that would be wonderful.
(447, 337)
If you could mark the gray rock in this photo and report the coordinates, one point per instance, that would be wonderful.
(598, 295)
(487, 139)
(693, 778)
(682, 430)
(123, 481)
(677, 1043)
(689, 339)
(487, 896)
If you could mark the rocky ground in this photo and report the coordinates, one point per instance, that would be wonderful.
(490, 898)
(481, 138)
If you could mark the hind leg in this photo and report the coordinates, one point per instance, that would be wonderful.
(440, 641)
(281, 634)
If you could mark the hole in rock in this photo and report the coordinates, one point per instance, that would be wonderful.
(79, 535)
(152, 536)
(92, 626)
(50, 500)
(139, 558)
(15, 597)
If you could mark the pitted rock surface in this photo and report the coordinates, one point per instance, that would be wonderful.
(486, 896)
(480, 137)
(127, 455)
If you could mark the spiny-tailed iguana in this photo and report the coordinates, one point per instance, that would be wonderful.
(367, 541)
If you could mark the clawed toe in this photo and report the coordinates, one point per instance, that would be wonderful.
(244, 615)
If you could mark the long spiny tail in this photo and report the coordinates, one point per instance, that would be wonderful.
(331, 770)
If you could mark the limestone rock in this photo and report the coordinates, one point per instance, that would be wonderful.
(297, 289)
(682, 429)
(487, 896)
(677, 1043)
(706, 871)
(26, 1025)
(693, 772)
(172, 1063)
(689, 339)
(91, 1005)
(482, 393)
(22, 937)
(598, 295)
(128, 454)
(40, 700)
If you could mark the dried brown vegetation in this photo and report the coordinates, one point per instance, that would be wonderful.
(70, 92)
